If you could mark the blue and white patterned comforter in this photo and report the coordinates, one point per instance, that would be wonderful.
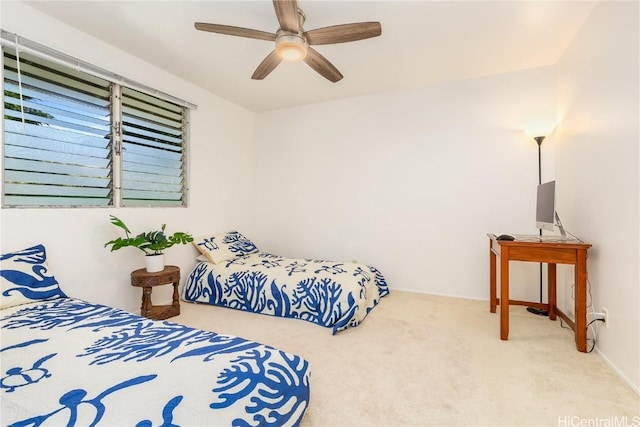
(66, 362)
(332, 294)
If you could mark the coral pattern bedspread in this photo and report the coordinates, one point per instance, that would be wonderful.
(332, 294)
(66, 362)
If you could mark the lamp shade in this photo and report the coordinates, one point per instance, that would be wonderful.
(540, 128)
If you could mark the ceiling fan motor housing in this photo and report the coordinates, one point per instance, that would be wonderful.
(291, 46)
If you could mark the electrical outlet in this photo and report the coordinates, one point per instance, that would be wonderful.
(605, 317)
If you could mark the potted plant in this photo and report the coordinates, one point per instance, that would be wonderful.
(152, 243)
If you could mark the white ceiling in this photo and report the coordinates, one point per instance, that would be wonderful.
(422, 42)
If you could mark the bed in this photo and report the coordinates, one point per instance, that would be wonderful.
(70, 362)
(234, 274)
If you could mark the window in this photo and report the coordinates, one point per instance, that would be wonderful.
(74, 139)
(153, 150)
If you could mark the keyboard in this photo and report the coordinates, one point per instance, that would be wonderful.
(543, 238)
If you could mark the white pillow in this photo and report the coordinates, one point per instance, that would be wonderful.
(26, 278)
(224, 246)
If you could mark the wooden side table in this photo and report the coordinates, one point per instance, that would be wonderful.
(145, 280)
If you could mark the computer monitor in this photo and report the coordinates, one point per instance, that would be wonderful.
(546, 206)
(546, 215)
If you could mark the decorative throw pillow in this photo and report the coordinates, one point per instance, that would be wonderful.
(224, 246)
(26, 278)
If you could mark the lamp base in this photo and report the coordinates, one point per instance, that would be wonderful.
(538, 311)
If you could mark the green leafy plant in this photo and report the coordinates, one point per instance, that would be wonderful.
(151, 243)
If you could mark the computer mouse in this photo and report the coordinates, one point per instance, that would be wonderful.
(505, 237)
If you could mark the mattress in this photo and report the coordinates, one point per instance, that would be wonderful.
(335, 295)
(68, 362)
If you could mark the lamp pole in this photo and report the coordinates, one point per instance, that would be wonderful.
(534, 310)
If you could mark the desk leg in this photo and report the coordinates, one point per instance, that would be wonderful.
(504, 293)
(551, 282)
(492, 280)
(581, 300)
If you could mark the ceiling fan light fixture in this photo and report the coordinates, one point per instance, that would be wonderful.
(291, 47)
(292, 42)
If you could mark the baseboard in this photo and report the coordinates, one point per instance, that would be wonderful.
(621, 374)
(437, 294)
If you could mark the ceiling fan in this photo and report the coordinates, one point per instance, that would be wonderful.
(293, 43)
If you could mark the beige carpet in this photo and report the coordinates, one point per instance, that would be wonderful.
(420, 360)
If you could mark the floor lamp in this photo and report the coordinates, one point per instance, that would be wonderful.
(534, 310)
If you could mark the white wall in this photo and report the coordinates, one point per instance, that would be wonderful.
(221, 196)
(409, 182)
(597, 163)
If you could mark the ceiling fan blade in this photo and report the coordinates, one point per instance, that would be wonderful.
(287, 13)
(343, 33)
(235, 31)
(322, 65)
(266, 66)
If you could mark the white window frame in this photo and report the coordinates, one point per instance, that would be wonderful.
(20, 44)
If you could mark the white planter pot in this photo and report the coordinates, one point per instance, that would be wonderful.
(155, 263)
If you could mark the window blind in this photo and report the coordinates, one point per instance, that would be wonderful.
(75, 139)
(153, 138)
(57, 145)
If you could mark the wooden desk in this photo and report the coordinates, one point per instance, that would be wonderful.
(145, 280)
(530, 248)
